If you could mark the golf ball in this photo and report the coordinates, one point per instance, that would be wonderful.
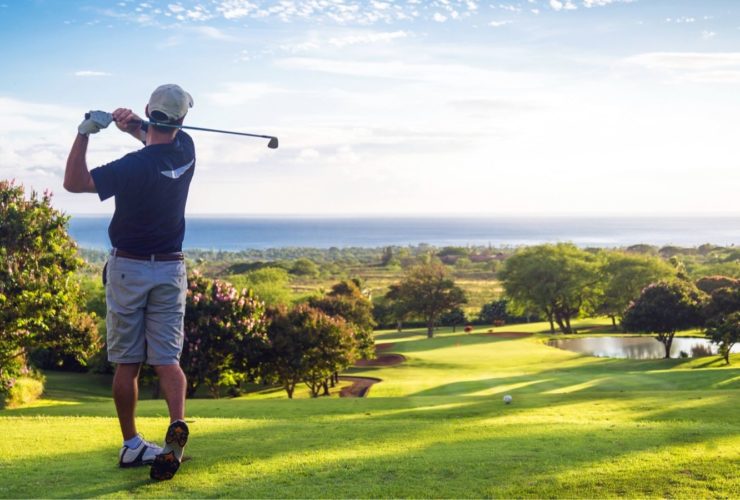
(507, 399)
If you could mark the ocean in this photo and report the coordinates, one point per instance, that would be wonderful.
(240, 233)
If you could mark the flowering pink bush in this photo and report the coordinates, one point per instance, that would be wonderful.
(224, 334)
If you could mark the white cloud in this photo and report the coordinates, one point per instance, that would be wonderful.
(557, 5)
(367, 38)
(707, 35)
(308, 154)
(449, 74)
(703, 67)
(498, 24)
(296, 47)
(212, 33)
(681, 20)
(237, 93)
(603, 3)
(510, 8)
(235, 9)
(339, 12)
(35, 139)
(692, 61)
(90, 73)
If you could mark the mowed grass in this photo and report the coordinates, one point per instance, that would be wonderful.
(434, 427)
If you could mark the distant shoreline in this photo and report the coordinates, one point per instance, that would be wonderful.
(261, 233)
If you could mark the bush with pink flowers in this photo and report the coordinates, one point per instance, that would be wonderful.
(225, 334)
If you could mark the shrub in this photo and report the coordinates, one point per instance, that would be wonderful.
(347, 301)
(307, 345)
(24, 390)
(304, 267)
(700, 351)
(41, 305)
(224, 334)
(725, 331)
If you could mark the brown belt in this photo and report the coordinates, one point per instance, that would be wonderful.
(156, 257)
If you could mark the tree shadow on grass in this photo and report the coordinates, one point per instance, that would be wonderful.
(398, 447)
(612, 375)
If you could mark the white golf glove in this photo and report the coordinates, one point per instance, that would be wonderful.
(94, 122)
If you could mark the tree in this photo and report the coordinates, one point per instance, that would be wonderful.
(453, 317)
(559, 280)
(304, 267)
(427, 291)
(347, 301)
(41, 305)
(723, 316)
(332, 347)
(493, 311)
(709, 284)
(664, 308)
(394, 307)
(725, 331)
(625, 276)
(387, 258)
(722, 302)
(306, 344)
(224, 334)
(643, 249)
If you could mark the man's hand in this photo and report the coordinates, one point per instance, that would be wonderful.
(94, 122)
(126, 120)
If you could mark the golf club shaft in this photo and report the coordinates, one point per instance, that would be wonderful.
(273, 144)
(203, 129)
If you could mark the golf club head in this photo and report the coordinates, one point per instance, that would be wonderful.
(273, 144)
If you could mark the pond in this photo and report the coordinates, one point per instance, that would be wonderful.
(637, 347)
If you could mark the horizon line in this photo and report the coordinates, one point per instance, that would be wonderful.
(414, 215)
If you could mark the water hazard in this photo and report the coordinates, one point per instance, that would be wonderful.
(637, 347)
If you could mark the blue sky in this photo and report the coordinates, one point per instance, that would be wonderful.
(406, 107)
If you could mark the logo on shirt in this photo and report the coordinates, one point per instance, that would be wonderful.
(176, 173)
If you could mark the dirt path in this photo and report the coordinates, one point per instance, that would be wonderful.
(383, 360)
(359, 388)
(361, 385)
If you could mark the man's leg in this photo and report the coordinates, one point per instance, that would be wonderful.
(125, 394)
(165, 334)
(126, 292)
(172, 381)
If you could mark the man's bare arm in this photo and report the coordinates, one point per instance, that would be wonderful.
(77, 178)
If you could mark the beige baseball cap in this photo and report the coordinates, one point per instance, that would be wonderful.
(169, 103)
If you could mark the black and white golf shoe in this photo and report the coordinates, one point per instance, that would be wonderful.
(141, 455)
(167, 462)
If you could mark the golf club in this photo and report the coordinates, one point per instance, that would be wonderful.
(272, 144)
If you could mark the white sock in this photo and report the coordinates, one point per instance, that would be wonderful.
(134, 442)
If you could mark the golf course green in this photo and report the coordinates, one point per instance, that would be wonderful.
(435, 426)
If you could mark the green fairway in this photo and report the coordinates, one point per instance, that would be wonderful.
(434, 427)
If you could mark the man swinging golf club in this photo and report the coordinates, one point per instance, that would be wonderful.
(145, 274)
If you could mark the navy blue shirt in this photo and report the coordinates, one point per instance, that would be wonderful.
(150, 188)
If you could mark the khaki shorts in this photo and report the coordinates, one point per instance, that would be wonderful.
(146, 310)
